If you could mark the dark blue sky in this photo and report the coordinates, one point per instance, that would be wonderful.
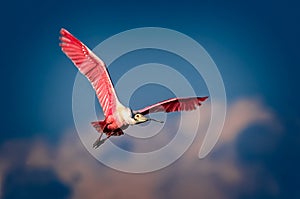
(255, 45)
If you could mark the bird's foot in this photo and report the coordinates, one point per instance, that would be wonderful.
(99, 142)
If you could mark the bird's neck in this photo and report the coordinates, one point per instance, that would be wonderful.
(126, 115)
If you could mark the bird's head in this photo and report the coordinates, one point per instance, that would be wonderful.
(139, 118)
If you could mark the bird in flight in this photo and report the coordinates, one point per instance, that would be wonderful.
(117, 116)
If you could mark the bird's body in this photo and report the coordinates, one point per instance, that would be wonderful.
(117, 116)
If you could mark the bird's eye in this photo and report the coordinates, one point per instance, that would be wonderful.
(137, 115)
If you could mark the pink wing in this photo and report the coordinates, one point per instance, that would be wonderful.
(93, 68)
(174, 104)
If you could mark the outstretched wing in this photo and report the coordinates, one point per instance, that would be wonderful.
(173, 105)
(93, 68)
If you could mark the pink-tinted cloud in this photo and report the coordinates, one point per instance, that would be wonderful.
(189, 177)
(244, 113)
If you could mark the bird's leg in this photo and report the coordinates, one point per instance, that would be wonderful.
(98, 142)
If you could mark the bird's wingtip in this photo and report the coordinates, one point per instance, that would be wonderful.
(63, 31)
(67, 37)
(202, 99)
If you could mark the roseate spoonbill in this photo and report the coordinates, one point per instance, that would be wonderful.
(117, 116)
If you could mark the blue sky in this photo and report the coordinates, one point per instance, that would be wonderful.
(254, 44)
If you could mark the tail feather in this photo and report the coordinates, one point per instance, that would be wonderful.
(99, 125)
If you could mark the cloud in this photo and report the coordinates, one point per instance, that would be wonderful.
(215, 176)
(244, 113)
